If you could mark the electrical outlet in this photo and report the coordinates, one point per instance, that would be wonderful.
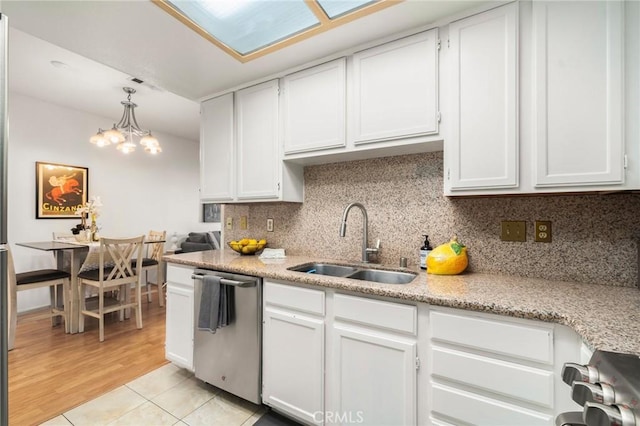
(543, 231)
(269, 225)
(229, 223)
(514, 230)
(243, 222)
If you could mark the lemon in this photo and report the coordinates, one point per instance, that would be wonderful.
(247, 249)
(244, 241)
(253, 242)
(233, 243)
(448, 259)
(262, 242)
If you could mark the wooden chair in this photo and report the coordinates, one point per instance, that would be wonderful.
(120, 272)
(151, 261)
(52, 278)
(63, 236)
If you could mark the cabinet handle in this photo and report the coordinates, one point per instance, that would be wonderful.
(225, 281)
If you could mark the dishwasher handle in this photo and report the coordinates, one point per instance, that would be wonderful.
(226, 281)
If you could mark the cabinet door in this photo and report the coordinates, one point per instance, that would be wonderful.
(395, 92)
(374, 377)
(579, 83)
(483, 144)
(259, 163)
(293, 364)
(314, 104)
(179, 326)
(217, 173)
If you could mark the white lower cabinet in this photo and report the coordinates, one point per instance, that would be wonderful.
(374, 377)
(293, 351)
(373, 363)
(367, 357)
(487, 369)
(180, 316)
(333, 358)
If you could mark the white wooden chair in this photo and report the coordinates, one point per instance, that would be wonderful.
(120, 272)
(55, 279)
(63, 236)
(151, 261)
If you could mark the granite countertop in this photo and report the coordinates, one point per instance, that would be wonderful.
(606, 317)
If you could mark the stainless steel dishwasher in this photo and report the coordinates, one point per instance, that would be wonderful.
(230, 358)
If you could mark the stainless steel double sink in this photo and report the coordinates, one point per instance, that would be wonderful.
(356, 273)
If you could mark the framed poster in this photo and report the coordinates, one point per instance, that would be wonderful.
(211, 212)
(60, 190)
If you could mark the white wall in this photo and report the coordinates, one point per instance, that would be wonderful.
(139, 191)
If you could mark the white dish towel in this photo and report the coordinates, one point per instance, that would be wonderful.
(269, 253)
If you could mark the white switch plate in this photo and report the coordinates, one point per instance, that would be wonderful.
(269, 225)
(230, 223)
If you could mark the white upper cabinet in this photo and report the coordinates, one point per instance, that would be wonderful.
(551, 117)
(395, 89)
(258, 151)
(217, 180)
(482, 145)
(240, 154)
(313, 108)
(579, 81)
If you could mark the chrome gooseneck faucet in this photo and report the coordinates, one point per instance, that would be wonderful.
(366, 251)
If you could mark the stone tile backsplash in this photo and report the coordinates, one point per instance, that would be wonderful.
(595, 237)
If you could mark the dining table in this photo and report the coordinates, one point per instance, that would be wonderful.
(83, 255)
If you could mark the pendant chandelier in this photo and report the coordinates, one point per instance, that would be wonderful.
(122, 133)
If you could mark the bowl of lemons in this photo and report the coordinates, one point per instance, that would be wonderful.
(247, 245)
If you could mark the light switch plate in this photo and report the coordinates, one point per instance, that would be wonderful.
(243, 222)
(269, 225)
(514, 230)
(229, 223)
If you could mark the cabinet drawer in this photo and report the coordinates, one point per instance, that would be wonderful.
(479, 410)
(507, 338)
(502, 377)
(377, 313)
(300, 299)
(180, 275)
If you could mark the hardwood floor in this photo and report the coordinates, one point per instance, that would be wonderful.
(51, 372)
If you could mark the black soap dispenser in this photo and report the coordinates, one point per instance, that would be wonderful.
(424, 252)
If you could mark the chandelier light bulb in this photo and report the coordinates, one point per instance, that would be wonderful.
(114, 135)
(149, 140)
(126, 147)
(99, 139)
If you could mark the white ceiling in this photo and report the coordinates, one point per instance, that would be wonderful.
(104, 43)
(89, 86)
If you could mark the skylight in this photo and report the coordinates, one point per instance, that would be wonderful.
(336, 8)
(247, 29)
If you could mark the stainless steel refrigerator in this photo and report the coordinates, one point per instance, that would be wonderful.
(4, 367)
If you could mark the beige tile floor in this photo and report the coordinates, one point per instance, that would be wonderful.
(166, 396)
